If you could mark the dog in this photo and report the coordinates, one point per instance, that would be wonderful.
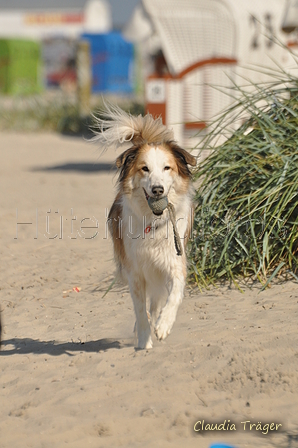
(152, 167)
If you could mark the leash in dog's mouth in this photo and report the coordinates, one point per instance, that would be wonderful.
(158, 205)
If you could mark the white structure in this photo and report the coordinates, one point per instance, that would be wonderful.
(290, 21)
(97, 17)
(49, 22)
(209, 45)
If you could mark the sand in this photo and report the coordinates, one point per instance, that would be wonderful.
(70, 375)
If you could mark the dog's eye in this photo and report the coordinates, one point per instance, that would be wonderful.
(167, 168)
(145, 168)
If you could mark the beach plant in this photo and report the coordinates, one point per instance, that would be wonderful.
(55, 111)
(246, 214)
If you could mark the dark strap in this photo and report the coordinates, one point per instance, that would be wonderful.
(177, 239)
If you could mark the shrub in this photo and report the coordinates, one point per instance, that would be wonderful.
(246, 217)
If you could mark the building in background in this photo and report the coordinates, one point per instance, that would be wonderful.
(59, 25)
(201, 48)
(55, 19)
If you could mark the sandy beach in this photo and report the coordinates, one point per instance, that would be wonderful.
(70, 375)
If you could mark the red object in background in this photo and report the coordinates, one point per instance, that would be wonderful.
(57, 78)
(156, 88)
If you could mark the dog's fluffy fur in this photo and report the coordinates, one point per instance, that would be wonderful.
(152, 165)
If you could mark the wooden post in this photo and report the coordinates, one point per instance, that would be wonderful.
(84, 77)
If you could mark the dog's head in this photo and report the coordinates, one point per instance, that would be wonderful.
(155, 169)
(153, 165)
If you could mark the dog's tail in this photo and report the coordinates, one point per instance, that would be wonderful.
(119, 128)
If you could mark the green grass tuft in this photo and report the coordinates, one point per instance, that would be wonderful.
(246, 217)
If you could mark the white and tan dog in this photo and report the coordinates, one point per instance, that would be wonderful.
(152, 166)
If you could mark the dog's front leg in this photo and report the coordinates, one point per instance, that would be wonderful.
(138, 294)
(168, 314)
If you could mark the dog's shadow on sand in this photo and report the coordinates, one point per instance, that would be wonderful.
(26, 346)
(83, 167)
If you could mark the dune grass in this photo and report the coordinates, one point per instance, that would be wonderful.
(246, 217)
(55, 111)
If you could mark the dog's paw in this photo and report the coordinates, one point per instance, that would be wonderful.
(165, 322)
(162, 331)
(162, 328)
(145, 343)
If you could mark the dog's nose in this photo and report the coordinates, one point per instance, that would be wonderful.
(157, 190)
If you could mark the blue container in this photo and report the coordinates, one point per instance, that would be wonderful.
(221, 445)
(112, 63)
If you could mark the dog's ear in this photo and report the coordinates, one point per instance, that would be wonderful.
(183, 159)
(125, 162)
(185, 156)
(126, 156)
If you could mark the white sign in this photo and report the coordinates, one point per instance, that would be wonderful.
(156, 91)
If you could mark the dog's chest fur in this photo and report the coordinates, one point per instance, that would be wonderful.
(148, 240)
